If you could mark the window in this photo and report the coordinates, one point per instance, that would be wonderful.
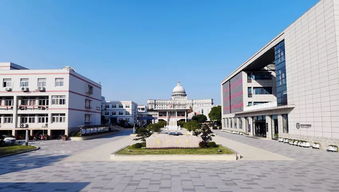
(59, 82)
(7, 82)
(127, 113)
(106, 113)
(114, 106)
(90, 90)
(121, 106)
(8, 102)
(27, 119)
(41, 82)
(87, 103)
(58, 99)
(24, 82)
(58, 118)
(259, 103)
(249, 91)
(114, 113)
(42, 118)
(249, 104)
(262, 90)
(280, 66)
(87, 118)
(8, 119)
(121, 113)
(127, 106)
(285, 123)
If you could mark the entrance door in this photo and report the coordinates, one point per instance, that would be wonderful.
(260, 126)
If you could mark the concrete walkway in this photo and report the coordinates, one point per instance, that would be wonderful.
(102, 152)
(249, 152)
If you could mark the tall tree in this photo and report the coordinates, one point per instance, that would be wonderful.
(215, 114)
(200, 118)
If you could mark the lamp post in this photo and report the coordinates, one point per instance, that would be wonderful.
(26, 138)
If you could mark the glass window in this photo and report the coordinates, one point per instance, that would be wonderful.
(249, 91)
(280, 65)
(285, 123)
(88, 103)
(262, 90)
(121, 113)
(127, 113)
(87, 118)
(58, 99)
(42, 118)
(58, 118)
(59, 82)
(24, 82)
(7, 82)
(8, 119)
(41, 82)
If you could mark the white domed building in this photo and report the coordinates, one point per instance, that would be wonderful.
(179, 107)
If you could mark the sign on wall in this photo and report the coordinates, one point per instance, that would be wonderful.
(304, 126)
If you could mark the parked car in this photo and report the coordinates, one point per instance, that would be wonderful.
(9, 140)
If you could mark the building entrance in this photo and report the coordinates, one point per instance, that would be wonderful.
(260, 126)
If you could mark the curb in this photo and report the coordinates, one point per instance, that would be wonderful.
(37, 148)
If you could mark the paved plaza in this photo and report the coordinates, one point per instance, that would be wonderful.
(79, 166)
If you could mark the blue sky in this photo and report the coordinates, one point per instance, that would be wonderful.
(139, 49)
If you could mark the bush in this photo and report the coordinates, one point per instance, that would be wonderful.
(192, 125)
(212, 144)
(137, 145)
(203, 144)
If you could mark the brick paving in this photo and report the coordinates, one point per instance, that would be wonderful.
(46, 170)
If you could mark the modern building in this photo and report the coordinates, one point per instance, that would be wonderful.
(290, 87)
(115, 112)
(179, 107)
(49, 101)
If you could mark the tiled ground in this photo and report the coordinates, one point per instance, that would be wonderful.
(43, 170)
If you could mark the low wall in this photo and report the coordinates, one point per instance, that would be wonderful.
(82, 138)
(157, 141)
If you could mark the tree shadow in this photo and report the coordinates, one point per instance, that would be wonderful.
(26, 161)
(42, 186)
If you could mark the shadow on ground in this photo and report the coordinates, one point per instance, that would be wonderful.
(43, 186)
(26, 161)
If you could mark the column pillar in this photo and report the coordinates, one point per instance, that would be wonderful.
(269, 131)
(185, 116)
(280, 125)
(13, 132)
(250, 126)
(243, 123)
(15, 111)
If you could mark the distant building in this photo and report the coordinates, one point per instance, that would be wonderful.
(179, 107)
(46, 101)
(115, 112)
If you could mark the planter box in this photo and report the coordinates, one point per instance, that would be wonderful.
(82, 138)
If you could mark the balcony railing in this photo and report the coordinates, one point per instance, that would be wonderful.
(261, 106)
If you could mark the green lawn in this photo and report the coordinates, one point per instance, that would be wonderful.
(199, 151)
(6, 150)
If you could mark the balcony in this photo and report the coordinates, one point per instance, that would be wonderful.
(40, 103)
(261, 106)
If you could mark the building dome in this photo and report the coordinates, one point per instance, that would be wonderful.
(179, 90)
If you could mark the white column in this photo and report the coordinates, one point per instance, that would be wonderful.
(244, 126)
(15, 111)
(251, 127)
(280, 125)
(269, 126)
(185, 116)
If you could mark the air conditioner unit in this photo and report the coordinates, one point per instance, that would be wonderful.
(8, 88)
(42, 89)
(24, 89)
(45, 126)
(22, 125)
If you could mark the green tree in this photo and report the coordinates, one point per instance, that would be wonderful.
(215, 114)
(192, 125)
(200, 118)
(206, 135)
(143, 133)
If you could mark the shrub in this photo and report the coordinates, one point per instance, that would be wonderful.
(203, 144)
(192, 125)
(212, 144)
(137, 145)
